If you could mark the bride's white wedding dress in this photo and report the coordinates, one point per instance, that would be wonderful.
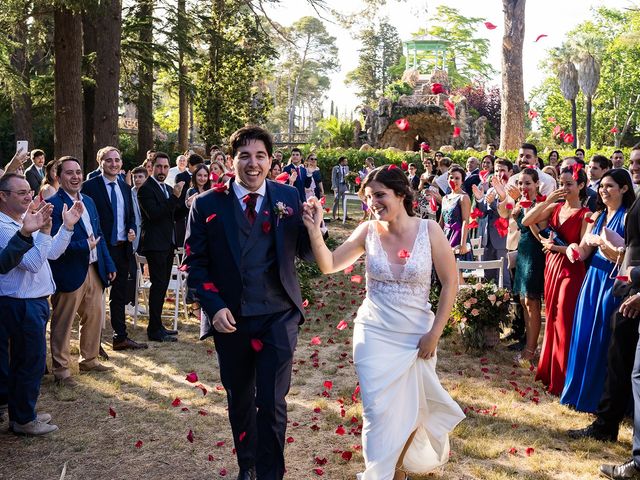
(400, 392)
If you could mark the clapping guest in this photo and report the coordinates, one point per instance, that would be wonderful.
(81, 274)
(200, 183)
(566, 219)
(456, 207)
(592, 327)
(302, 180)
(23, 300)
(529, 275)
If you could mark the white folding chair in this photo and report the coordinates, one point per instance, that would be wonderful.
(476, 247)
(477, 269)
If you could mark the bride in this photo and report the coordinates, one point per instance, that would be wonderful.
(407, 414)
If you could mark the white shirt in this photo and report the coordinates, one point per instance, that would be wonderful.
(171, 177)
(547, 182)
(241, 192)
(32, 278)
(86, 221)
(122, 232)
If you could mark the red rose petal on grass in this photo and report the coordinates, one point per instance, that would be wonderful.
(342, 325)
(210, 287)
(220, 443)
(176, 402)
(318, 471)
(184, 409)
(203, 413)
(139, 444)
(456, 132)
(202, 388)
(241, 436)
(437, 88)
(356, 278)
(404, 253)
(211, 217)
(403, 124)
(315, 341)
(451, 108)
(392, 166)
(211, 458)
(513, 450)
(290, 440)
(223, 472)
(305, 303)
(266, 226)
(256, 344)
(209, 352)
(328, 384)
(190, 436)
(340, 430)
(112, 412)
(529, 451)
(490, 26)
(348, 270)
(320, 461)
(542, 35)
(346, 455)
(192, 377)
(283, 177)
(622, 278)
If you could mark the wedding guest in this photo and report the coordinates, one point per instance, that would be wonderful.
(565, 216)
(369, 165)
(528, 158)
(339, 183)
(456, 207)
(551, 171)
(200, 183)
(315, 188)
(217, 168)
(528, 281)
(302, 180)
(414, 178)
(181, 166)
(275, 170)
(596, 304)
(81, 275)
(407, 414)
(554, 158)
(24, 289)
(50, 183)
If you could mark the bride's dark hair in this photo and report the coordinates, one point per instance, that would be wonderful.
(394, 179)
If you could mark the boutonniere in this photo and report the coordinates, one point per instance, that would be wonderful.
(282, 210)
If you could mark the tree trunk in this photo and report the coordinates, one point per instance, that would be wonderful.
(294, 98)
(183, 97)
(587, 140)
(67, 41)
(145, 79)
(106, 131)
(512, 95)
(574, 123)
(90, 42)
(21, 104)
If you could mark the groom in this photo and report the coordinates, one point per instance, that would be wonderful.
(241, 244)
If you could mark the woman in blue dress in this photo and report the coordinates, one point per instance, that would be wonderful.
(587, 364)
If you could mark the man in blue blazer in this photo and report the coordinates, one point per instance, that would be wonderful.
(81, 274)
(113, 199)
(302, 181)
(241, 244)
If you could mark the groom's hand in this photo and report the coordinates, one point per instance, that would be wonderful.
(223, 321)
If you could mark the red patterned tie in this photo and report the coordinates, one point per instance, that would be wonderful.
(250, 201)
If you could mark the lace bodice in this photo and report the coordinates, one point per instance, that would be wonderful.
(398, 289)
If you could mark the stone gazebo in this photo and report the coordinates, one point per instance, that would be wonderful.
(428, 118)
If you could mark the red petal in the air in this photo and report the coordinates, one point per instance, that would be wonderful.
(490, 26)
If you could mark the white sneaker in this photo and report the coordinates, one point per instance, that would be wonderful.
(34, 428)
(40, 417)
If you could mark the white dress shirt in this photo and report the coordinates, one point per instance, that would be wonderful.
(122, 230)
(241, 192)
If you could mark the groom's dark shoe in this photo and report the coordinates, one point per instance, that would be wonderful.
(593, 432)
(247, 474)
(626, 471)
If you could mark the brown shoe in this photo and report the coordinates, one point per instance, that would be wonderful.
(128, 344)
(98, 367)
(67, 382)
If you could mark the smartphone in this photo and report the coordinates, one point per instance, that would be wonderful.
(22, 145)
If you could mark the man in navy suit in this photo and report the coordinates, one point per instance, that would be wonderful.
(301, 181)
(35, 173)
(81, 274)
(113, 198)
(241, 243)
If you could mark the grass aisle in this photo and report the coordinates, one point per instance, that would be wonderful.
(135, 422)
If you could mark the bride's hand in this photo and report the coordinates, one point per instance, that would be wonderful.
(312, 214)
(428, 345)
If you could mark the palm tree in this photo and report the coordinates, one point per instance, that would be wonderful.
(588, 47)
(562, 64)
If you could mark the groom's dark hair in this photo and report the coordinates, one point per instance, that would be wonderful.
(250, 133)
(394, 179)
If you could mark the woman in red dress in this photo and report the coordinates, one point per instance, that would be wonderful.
(567, 221)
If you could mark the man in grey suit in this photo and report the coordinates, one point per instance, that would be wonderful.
(339, 183)
(35, 173)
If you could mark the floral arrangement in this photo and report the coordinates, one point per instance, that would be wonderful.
(478, 313)
(352, 178)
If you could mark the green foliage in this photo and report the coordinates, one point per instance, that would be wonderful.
(333, 132)
(396, 89)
